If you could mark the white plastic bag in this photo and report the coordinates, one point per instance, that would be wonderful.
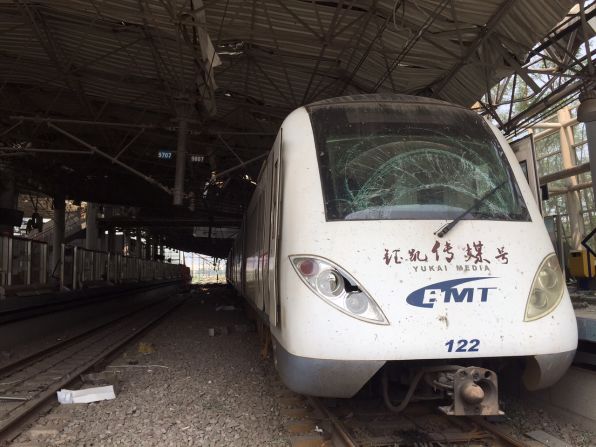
(86, 396)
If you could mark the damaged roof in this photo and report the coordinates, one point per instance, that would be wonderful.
(92, 92)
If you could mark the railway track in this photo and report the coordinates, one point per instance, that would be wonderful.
(314, 422)
(15, 314)
(28, 383)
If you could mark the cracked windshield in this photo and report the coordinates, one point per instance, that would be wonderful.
(411, 161)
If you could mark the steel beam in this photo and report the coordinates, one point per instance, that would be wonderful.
(38, 119)
(483, 34)
(576, 222)
(252, 160)
(44, 150)
(109, 157)
(586, 113)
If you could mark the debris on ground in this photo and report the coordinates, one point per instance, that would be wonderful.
(236, 328)
(146, 348)
(86, 395)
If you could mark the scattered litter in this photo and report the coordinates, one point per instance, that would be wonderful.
(225, 308)
(225, 330)
(546, 439)
(86, 396)
(318, 429)
(146, 348)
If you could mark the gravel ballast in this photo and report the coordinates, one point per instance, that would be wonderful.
(187, 389)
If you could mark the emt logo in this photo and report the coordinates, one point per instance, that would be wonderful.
(448, 291)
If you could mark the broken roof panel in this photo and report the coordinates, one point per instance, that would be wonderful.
(100, 64)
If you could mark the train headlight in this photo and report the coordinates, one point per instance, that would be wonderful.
(330, 283)
(547, 289)
(357, 303)
(337, 288)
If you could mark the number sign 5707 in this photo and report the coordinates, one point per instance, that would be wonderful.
(463, 345)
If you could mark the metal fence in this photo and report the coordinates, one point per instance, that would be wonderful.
(82, 267)
(24, 262)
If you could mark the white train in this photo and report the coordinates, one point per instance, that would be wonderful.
(396, 236)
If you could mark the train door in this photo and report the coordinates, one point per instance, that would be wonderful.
(526, 156)
(264, 260)
(274, 233)
(242, 257)
(258, 252)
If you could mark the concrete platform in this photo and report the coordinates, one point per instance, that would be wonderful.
(586, 323)
(572, 398)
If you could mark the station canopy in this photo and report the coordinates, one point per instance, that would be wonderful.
(93, 93)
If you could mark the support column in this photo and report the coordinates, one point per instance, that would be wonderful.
(9, 215)
(112, 240)
(576, 221)
(180, 161)
(58, 234)
(586, 113)
(91, 227)
(148, 247)
(138, 246)
(155, 248)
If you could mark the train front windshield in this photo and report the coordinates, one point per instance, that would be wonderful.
(384, 160)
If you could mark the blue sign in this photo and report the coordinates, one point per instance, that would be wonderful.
(165, 155)
(447, 292)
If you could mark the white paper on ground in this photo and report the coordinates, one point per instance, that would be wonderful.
(86, 396)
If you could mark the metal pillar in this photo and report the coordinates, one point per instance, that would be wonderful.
(148, 247)
(138, 246)
(112, 240)
(576, 221)
(91, 227)
(58, 234)
(180, 162)
(8, 199)
(586, 113)
(155, 248)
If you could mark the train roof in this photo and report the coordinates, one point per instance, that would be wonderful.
(377, 97)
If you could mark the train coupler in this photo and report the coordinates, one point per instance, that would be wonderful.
(474, 391)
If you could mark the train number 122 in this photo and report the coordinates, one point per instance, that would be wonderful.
(463, 345)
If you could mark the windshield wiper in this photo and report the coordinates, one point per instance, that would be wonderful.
(447, 227)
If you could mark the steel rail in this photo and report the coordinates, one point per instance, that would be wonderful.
(497, 431)
(338, 426)
(32, 357)
(112, 341)
(481, 429)
(37, 310)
